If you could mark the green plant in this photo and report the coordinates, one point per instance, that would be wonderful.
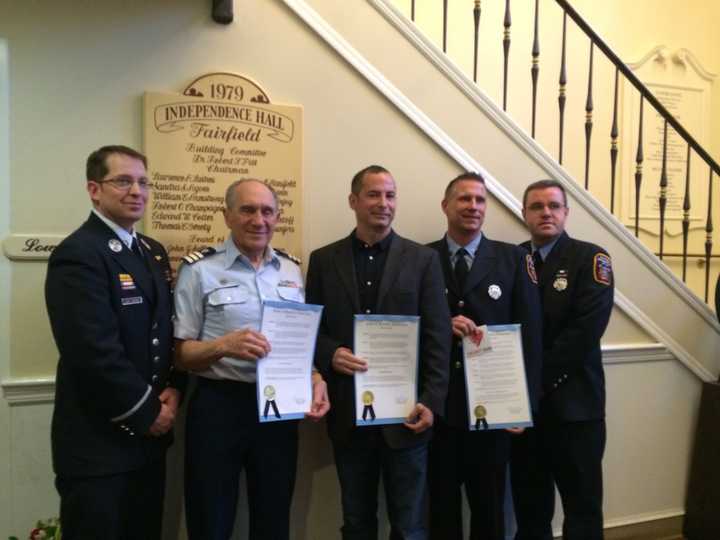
(45, 529)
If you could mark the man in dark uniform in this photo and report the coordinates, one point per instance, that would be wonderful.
(566, 446)
(487, 283)
(109, 301)
(373, 270)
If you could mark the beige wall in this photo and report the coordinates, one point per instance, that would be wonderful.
(632, 33)
(77, 72)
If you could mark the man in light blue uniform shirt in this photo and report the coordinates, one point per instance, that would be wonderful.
(218, 308)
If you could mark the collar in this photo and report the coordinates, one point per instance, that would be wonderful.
(544, 250)
(382, 245)
(471, 247)
(232, 253)
(121, 233)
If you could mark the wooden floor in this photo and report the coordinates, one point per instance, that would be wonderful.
(662, 529)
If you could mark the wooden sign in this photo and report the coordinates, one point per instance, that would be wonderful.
(19, 247)
(221, 129)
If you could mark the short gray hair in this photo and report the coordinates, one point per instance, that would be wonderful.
(230, 191)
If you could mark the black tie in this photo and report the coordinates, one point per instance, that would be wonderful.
(538, 262)
(461, 268)
(135, 248)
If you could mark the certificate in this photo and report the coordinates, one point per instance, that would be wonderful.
(497, 394)
(386, 393)
(284, 376)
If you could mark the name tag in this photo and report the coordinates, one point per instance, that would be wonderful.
(131, 300)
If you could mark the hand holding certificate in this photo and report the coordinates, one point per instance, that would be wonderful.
(495, 378)
(284, 375)
(387, 391)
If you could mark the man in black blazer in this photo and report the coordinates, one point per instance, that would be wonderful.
(487, 283)
(566, 446)
(109, 302)
(376, 271)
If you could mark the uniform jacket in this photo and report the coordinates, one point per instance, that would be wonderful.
(576, 287)
(111, 319)
(411, 285)
(507, 266)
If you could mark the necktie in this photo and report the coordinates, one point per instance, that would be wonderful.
(461, 267)
(135, 248)
(538, 262)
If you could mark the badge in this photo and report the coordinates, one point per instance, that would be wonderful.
(158, 258)
(530, 266)
(115, 245)
(602, 269)
(131, 300)
(288, 283)
(560, 284)
(494, 291)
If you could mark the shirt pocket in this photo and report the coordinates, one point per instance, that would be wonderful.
(228, 308)
(291, 294)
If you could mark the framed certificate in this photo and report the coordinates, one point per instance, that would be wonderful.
(387, 392)
(284, 376)
(497, 392)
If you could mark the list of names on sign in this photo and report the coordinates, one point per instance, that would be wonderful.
(220, 130)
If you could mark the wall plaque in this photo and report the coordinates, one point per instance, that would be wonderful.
(220, 129)
(19, 247)
(683, 87)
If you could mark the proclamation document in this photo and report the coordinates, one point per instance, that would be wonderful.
(386, 393)
(284, 376)
(495, 378)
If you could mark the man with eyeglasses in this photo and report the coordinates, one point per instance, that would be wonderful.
(116, 395)
(218, 309)
(566, 446)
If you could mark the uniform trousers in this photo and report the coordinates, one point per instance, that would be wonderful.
(125, 506)
(478, 461)
(224, 437)
(566, 454)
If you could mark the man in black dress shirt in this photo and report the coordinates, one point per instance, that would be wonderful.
(374, 270)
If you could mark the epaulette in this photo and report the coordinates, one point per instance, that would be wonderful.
(288, 256)
(195, 256)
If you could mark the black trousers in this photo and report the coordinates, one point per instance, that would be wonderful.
(223, 437)
(478, 461)
(566, 454)
(127, 506)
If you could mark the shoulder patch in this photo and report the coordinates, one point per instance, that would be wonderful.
(195, 256)
(288, 256)
(530, 266)
(602, 269)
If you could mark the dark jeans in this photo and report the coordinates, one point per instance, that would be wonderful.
(477, 460)
(404, 476)
(223, 437)
(566, 454)
(126, 506)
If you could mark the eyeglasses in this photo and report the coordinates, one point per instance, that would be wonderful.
(125, 183)
(552, 206)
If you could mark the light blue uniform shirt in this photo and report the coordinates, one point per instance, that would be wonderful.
(471, 248)
(223, 292)
(545, 250)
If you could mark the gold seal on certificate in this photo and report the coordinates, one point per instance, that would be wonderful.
(480, 414)
(269, 393)
(497, 396)
(367, 397)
